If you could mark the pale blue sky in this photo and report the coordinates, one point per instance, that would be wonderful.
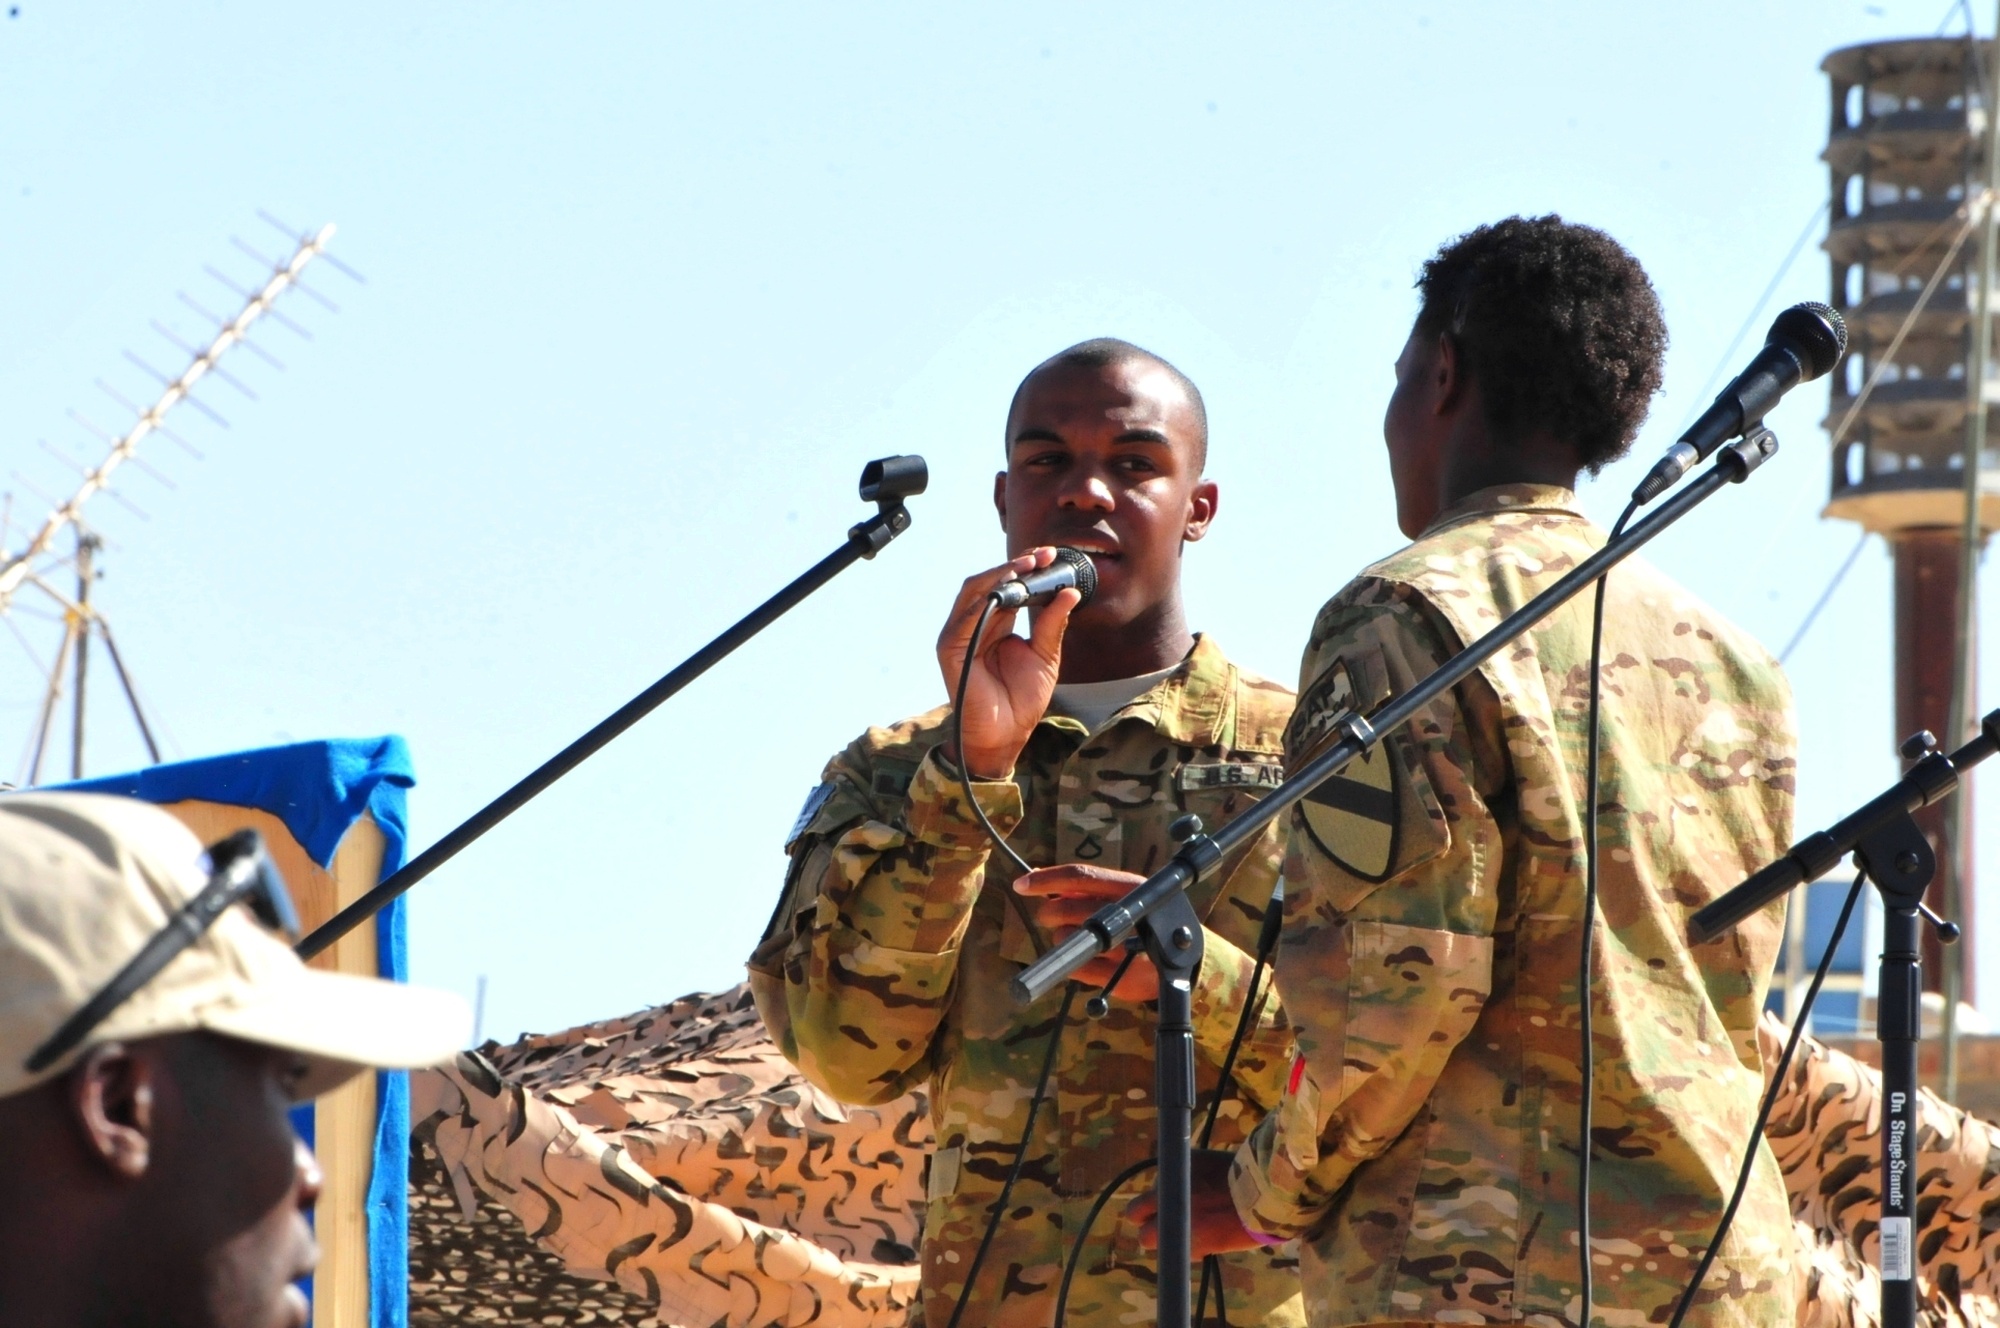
(646, 285)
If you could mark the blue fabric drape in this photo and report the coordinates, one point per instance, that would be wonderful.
(319, 790)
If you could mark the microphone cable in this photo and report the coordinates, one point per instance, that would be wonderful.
(1069, 990)
(1020, 1157)
(1211, 1273)
(1085, 581)
(1267, 940)
(958, 742)
(1770, 1101)
(1090, 1220)
(1267, 943)
(1588, 1053)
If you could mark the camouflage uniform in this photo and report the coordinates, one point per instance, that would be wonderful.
(887, 966)
(1427, 1149)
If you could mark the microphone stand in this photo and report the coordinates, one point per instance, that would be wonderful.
(1159, 911)
(886, 483)
(1892, 851)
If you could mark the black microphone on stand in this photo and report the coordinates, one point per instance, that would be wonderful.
(1072, 567)
(1804, 343)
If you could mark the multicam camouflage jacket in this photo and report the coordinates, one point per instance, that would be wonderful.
(888, 960)
(1427, 1150)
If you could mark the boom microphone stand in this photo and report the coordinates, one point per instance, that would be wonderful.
(1158, 909)
(886, 483)
(1892, 851)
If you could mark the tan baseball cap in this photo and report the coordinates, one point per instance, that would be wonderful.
(86, 880)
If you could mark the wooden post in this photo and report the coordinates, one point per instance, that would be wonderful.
(343, 1120)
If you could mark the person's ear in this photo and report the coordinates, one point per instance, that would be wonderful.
(1202, 503)
(111, 1096)
(1000, 496)
(1447, 375)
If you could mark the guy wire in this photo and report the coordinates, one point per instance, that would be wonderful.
(1750, 320)
(1882, 362)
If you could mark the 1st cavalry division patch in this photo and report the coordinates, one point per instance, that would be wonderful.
(1352, 815)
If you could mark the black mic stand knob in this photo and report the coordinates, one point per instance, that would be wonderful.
(1918, 745)
(1182, 829)
(1100, 1005)
(1947, 932)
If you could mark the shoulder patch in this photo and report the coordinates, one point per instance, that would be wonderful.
(814, 801)
(1353, 816)
(1330, 699)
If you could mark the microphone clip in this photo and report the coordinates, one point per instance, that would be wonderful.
(1757, 445)
(886, 482)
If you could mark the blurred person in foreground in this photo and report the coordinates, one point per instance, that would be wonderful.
(887, 962)
(149, 1175)
(1426, 1152)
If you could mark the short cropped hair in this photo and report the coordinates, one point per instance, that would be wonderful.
(1558, 325)
(1097, 353)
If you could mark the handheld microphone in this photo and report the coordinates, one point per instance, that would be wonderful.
(1804, 343)
(1072, 567)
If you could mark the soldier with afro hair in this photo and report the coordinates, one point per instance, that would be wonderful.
(1426, 1154)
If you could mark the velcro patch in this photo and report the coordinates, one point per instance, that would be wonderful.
(942, 1182)
(814, 801)
(1230, 775)
(891, 778)
(1327, 701)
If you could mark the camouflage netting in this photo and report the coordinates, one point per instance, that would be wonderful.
(670, 1168)
(484, 1269)
(1825, 1130)
(675, 1154)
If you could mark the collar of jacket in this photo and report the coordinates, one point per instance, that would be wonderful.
(1552, 498)
(1188, 706)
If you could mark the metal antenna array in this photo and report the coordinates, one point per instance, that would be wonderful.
(38, 561)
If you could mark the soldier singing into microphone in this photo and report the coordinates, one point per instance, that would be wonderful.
(886, 965)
